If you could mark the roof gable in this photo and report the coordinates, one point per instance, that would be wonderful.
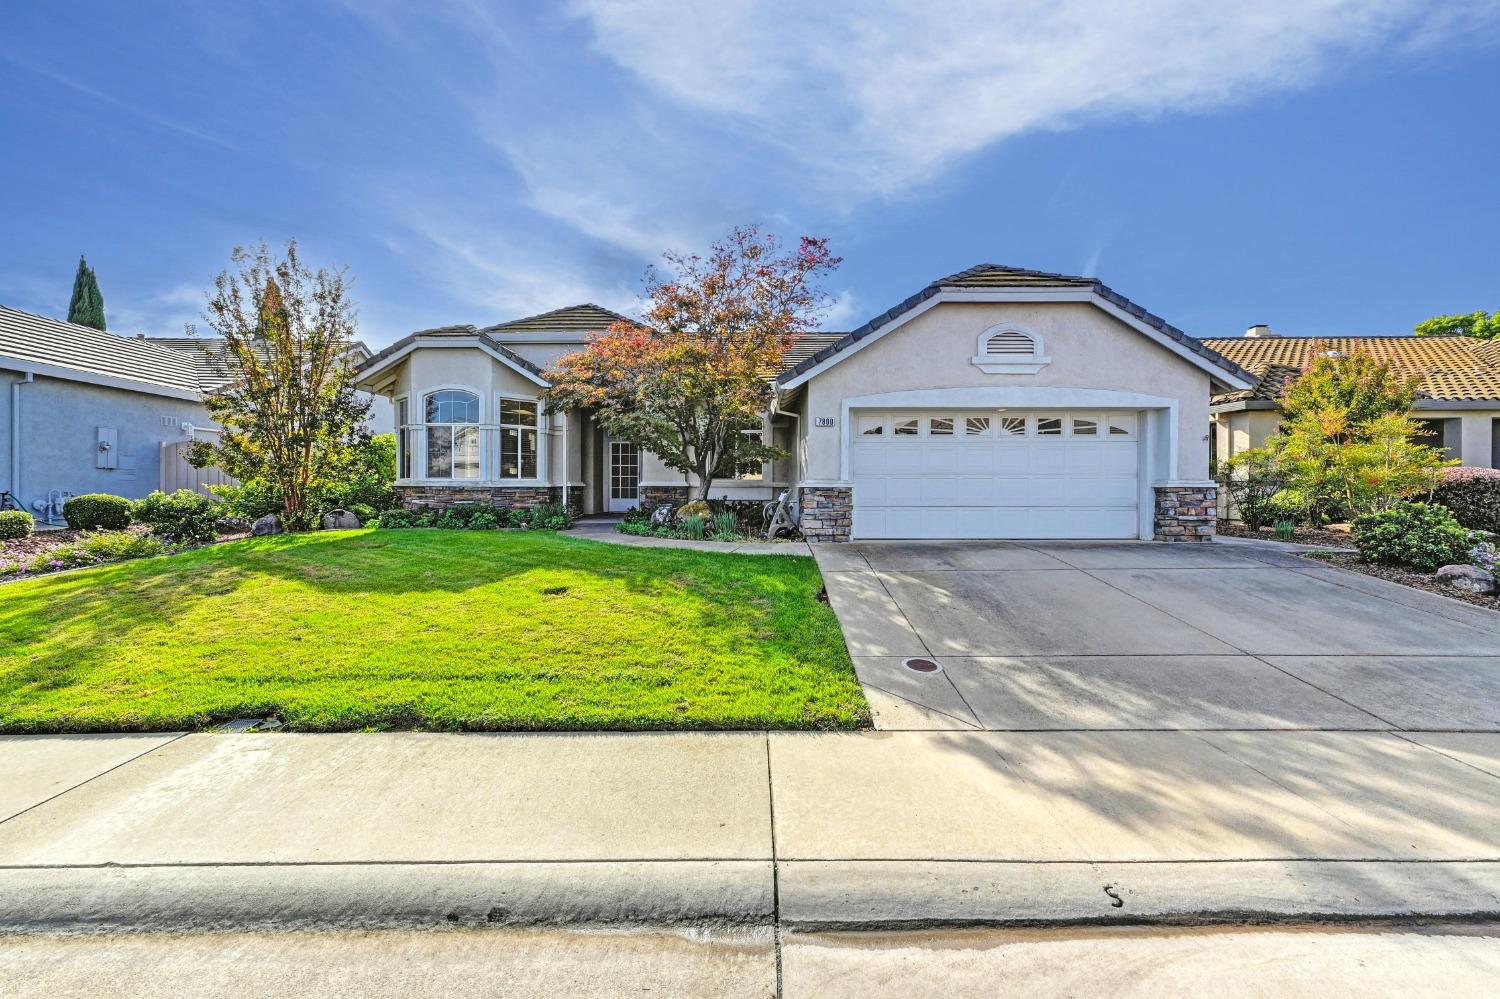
(975, 283)
(449, 336)
(584, 318)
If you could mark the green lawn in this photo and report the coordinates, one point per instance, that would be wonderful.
(427, 629)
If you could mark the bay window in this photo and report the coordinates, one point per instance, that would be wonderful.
(518, 426)
(452, 435)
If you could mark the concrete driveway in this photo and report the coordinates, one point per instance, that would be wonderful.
(1067, 635)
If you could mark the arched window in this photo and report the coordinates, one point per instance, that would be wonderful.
(452, 418)
(1008, 349)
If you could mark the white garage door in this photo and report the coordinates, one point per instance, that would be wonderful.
(996, 475)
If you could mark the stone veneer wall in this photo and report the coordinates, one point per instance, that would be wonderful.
(648, 498)
(1186, 513)
(827, 512)
(510, 497)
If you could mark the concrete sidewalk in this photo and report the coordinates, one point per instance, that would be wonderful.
(805, 830)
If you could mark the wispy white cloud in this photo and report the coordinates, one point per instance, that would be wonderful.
(144, 113)
(668, 121)
(885, 94)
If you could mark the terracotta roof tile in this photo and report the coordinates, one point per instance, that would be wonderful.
(1453, 368)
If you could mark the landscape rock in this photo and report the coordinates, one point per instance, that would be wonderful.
(269, 524)
(340, 520)
(697, 508)
(1469, 578)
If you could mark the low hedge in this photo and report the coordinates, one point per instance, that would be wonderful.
(1421, 536)
(183, 517)
(1473, 494)
(97, 511)
(15, 524)
(543, 517)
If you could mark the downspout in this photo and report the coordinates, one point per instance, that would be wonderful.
(565, 475)
(15, 437)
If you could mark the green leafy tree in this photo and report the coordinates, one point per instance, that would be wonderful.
(1249, 481)
(689, 383)
(1347, 441)
(86, 308)
(1485, 325)
(291, 417)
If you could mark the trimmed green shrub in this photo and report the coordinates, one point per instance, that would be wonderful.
(183, 517)
(95, 511)
(399, 519)
(363, 511)
(1422, 536)
(484, 520)
(1473, 494)
(549, 517)
(15, 524)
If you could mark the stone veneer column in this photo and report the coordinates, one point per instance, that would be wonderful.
(1186, 513)
(827, 512)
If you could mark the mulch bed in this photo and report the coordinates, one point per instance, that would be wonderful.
(1302, 536)
(41, 542)
(1406, 577)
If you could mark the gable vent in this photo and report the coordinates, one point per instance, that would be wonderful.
(1009, 344)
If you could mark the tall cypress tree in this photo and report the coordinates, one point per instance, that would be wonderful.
(87, 306)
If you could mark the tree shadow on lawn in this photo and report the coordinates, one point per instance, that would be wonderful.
(97, 611)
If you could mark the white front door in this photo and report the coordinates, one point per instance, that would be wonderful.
(996, 474)
(624, 475)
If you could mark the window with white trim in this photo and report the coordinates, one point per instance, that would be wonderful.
(518, 426)
(1012, 426)
(1084, 427)
(403, 438)
(871, 426)
(452, 418)
(940, 426)
(906, 426)
(1049, 426)
(976, 426)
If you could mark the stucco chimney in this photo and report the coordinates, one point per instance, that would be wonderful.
(1259, 331)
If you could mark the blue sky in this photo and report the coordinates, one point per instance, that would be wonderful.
(1326, 166)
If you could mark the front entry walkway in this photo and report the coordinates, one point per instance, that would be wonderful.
(1060, 635)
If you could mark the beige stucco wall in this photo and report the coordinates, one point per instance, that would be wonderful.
(1089, 349)
(433, 368)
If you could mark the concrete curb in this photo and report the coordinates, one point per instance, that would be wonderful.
(870, 895)
(292, 897)
(813, 895)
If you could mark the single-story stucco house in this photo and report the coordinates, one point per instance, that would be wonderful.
(994, 403)
(1458, 397)
(90, 411)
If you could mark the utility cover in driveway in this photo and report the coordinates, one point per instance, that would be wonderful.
(996, 474)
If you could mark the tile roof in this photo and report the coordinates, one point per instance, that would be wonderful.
(27, 337)
(985, 276)
(1453, 368)
(585, 318)
(450, 331)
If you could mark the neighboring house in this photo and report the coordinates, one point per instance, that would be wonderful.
(1458, 399)
(88, 411)
(994, 403)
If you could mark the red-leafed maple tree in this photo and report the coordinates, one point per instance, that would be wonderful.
(694, 376)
